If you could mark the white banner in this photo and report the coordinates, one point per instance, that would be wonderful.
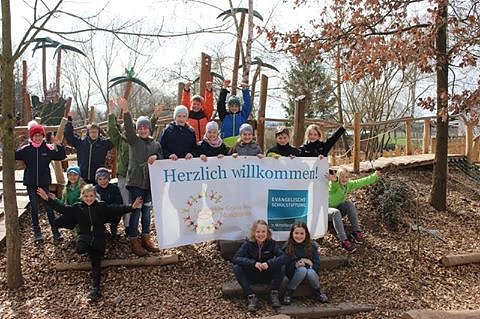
(196, 201)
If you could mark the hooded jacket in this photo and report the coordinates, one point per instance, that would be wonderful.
(231, 122)
(337, 193)
(198, 120)
(120, 143)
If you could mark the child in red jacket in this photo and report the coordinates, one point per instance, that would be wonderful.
(200, 109)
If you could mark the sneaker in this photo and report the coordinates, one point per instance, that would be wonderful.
(274, 299)
(252, 303)
(347, 245)
(320, 296)
(287, 297)
(357, 237)
(37, 235)
(94, 294)
(56, 235)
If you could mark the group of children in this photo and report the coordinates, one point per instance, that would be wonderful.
(89, 200)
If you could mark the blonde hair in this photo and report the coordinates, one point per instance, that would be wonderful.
(253, 229)
(313, 127)
(89, 188)
(342, 172)
(80, 184)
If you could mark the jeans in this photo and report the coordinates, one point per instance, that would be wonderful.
(336, 215)
(300, 274)
(143, 211)
(249, 274)
(34, 206)
(125, 196)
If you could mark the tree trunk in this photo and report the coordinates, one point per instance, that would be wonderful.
(248, 46)
(238, 49)
(14, 244)
(59, 70)
(44, 71)
(438, 196)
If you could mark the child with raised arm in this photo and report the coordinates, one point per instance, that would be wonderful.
(91, 149)
(304, 262)
(178, 138)
(90, 214)
(200, 109)
(259, 260)
(246, 145)
(109, 193)
(37, 155)
(235, 116)
(338, 188)
(212, 144)
(143, 151)
(283, 147)
(314, 144)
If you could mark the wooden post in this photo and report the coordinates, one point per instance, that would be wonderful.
(434, 144)
(91, 115)
(261, 112)
(299, 121)
(68, 105)
(356, 143)
(57, 165)
(476, 149)
(58, 70)
(427, 131)
(23, 110)
(205, 68)
(181, 85)
(408, 136)
(469, 141)
(238, 49)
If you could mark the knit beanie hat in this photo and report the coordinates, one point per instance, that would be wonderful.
(102, 172)
(36, 128)
(180, 109)
(245, 127)
(31, 123)
(233, 100)
(212, 125)
(73, 169)
(143, 121)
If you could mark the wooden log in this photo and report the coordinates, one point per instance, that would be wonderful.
(205, 68)
(469, 141)
(441, 314)
(427, 132)
(238, 49)
(455, 260)
(57, 165)
(180, 92)
(299, 121)
(356, 143)
(143, 261)
(261, 112)
(91, 115)
(276, 317)
(325, 310)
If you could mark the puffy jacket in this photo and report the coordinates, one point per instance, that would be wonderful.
(110, 194)
(337, 193)
(71, 194)
(140, 149)
(120, 143)
(299, 253)
(206, 149)
(198, 120)
(37, 161)
(283, 150)
(231, 122)
(318, 148)
(248, 149)
(179, 140)
(250, 253)
(91, 154)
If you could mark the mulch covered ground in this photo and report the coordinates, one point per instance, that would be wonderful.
(396, 270)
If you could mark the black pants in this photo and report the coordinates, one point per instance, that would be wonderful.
(95, 251)
(248, 274)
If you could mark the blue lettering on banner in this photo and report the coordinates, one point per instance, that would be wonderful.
(286, 207)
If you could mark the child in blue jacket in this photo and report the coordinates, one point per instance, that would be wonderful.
(37, 155)
(233, 118)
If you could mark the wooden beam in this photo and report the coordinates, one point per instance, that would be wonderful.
(469, 141)
(144, 261)
(408, 136)
(57, 165)
(91, 115)
(325, 310)
(299, 121)
(427, 134)
(455, 260)
(238, 49)
(25, 97)
(261, 112)
(441, 314)
(205, 68)
(356, 143)
(180, 87)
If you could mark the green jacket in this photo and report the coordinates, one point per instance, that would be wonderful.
(120, 144)
(337, 194)
(139, 151)
(71, 195)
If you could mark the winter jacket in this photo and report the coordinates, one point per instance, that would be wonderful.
(299, 250)
(198, 120)
(206, 149)
(90, 219)
(179, 140)
(337, 193)
(283, 150)
(231, 122)
(249, 149)
(37, 161)
(91, 154)
(250, 253)
(120, 143)
(318, 148)
(140, 150)
(110, 194)
(72, 194)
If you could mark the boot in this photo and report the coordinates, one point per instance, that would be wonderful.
(148, 244)
(252, 303)
(114, 230)
(95, 294)
(320, 296)
(37, 234)
(137, 248)
(274, 299)
(56, 235)
(287, 297)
